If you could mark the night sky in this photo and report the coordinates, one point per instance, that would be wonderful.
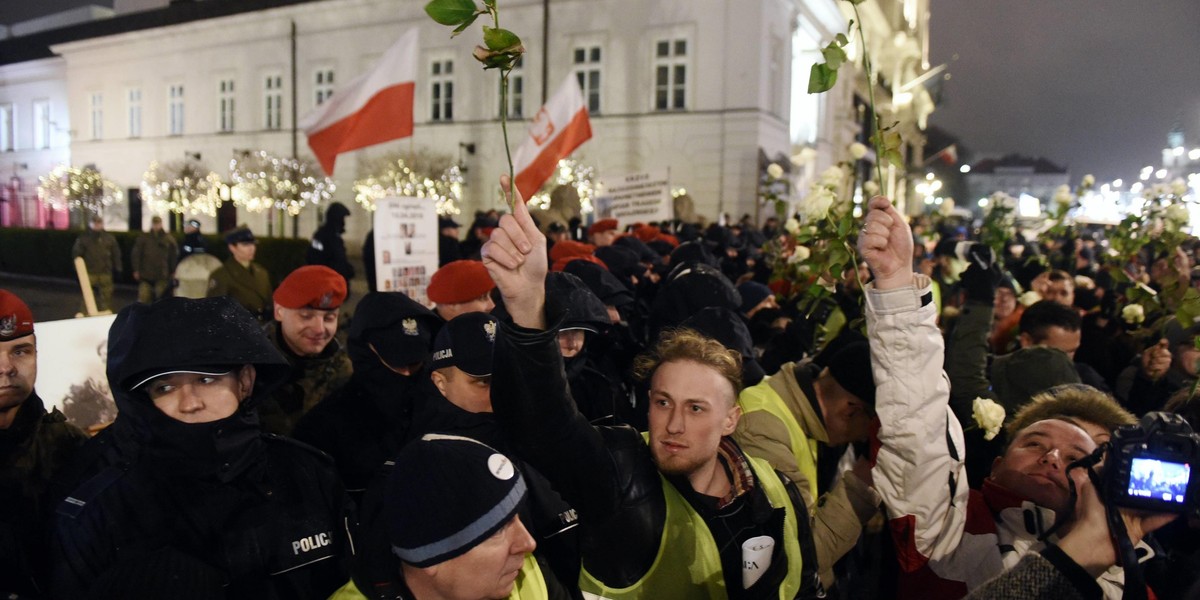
(1091, 85)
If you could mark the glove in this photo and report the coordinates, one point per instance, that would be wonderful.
(981, 278)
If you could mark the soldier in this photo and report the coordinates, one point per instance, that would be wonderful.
(102, 257)
(34, 444)
(306, 317)
(241, 278)
(154, 258)
(459, 287)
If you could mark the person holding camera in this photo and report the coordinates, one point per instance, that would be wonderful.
(951, 539)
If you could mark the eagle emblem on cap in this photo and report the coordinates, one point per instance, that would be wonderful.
(410, 326)
(490, 329)
(8, 325)
(326, 300)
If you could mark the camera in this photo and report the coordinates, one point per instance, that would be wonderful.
(1150, 466)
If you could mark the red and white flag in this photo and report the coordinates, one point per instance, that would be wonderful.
(557, 130)
(374, 108)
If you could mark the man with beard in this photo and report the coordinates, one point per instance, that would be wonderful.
(682, 513)
(363, 423)
(186, 469)
(34, 444)
(306, 319)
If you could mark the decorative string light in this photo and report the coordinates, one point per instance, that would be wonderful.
(183, 187)
(573, 173)
(77, 188)
(393, 175)
(262, 181)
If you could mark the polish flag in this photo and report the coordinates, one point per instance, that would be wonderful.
(557, 130)
(374, 108)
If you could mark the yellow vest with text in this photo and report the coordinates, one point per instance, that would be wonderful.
(763, 397)
(528, 586)
(688, 566)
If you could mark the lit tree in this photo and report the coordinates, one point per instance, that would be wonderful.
(398, 174)
(575, 174)
(262, 181)
(78, 189)
(183, 187)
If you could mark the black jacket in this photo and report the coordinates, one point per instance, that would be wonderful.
(268, 513)
(606, 473)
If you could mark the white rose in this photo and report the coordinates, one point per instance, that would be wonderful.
(1030, 298)
(775, 171)
(1178, 213)
(1133, 314)
(858, 151)
(870, 189)
(1089, 180)
(1179, 188)
(816, 205)
(792, 226)
(801, 253)
(832, 177)
(1063, 195)
(988, 415)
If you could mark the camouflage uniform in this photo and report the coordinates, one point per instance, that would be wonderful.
(312, 378)
(154, 258)
(250, 286)
(102, 257)
(32, 450)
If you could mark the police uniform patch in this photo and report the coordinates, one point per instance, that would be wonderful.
(490, 329)
(410, 326)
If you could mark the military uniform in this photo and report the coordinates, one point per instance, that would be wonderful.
(102, 257)
(311, 379)
(154, 258)
(250, 286)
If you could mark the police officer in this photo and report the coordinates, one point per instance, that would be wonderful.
(240, 277)
(186, 468)
(306, 319)
(193, 241)
(34, 444)
(327, 247)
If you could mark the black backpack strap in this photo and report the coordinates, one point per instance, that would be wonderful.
(810, 580)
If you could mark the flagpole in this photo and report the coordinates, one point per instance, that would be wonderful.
(295, 111)
(545, 49)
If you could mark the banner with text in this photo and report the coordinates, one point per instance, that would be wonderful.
(406, 245)
(639, 197)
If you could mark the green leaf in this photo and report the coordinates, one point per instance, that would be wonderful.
(450, 12)
(465, 25)
(856, 2)
(498, 39)
(841, 39)
(834, 56)
(821, 78)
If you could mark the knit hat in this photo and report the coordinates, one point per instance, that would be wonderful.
(752, 293)
(602, 225)
(466, 342)
(241, 235)
(445, 495)
(445, 221)
(602, 283)
(16, 320)
(1016, 377)
(851, 368)
(459, 281)
(311, 286)
(400, 329)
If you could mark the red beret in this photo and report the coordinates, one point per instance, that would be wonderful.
(16, 320)
(459, 281)
(646, 233)
(311, 286)
(567, 248)
(561, 263)
(602, 225)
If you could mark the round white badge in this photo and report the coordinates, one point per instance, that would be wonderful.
(501, 467)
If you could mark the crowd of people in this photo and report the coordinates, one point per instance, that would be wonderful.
(597, 411)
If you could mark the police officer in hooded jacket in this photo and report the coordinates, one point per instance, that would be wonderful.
(186, 468)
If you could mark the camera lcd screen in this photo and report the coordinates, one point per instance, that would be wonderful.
(1159, 479)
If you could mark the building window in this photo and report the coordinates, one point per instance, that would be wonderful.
(97, 109)
(175, 110)
(441, 90)
(670, 74)
(322, 86)
(41, 123)
(273, 102)
(587, 71)
(225, 105)
(133, 99)
(8, 127)
(516, 90)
